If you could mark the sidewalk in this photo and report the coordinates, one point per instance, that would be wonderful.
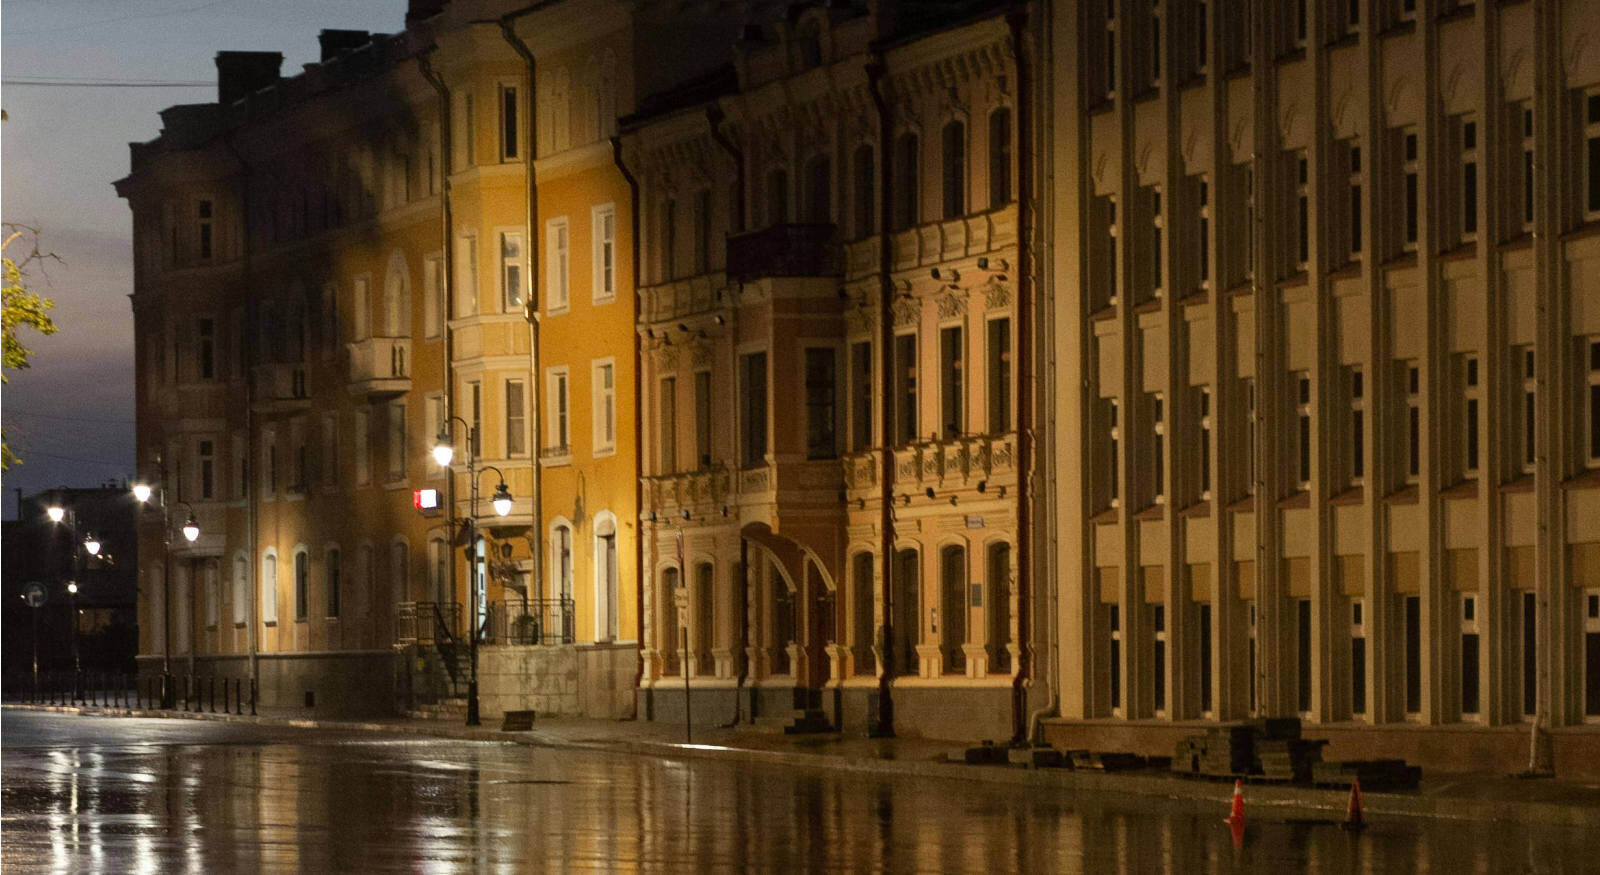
(1471, 797)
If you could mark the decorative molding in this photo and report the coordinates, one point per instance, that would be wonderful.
(952, 305)
(906, 310)
(997, 295)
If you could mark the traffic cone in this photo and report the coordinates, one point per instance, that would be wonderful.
(1353, 819)
(1236, 814)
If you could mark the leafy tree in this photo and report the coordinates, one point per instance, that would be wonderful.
(23, 308)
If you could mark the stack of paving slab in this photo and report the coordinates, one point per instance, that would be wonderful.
(1373, 774)
(1223, 750)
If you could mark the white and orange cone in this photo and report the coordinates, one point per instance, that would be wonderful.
(1353, 818)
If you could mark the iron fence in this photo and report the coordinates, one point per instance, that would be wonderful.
(531, 621)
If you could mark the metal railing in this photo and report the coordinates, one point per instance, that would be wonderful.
(426, 622)
(531, 621)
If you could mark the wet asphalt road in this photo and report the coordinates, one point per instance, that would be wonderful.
(142, 795)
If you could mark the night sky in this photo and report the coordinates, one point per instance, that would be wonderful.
(70, 417)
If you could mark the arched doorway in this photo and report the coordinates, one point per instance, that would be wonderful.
(953, 608)
(861, 613)
(905, 584)
(997, 607)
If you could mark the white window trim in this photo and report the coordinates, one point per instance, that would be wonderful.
(557, 453)
(501, 265)
(597, 223)
(239, 584)
(558, 271)
(433, 304)
(467, 280)
(597, 412)
(269, 587)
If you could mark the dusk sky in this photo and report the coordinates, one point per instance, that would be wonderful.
(70, 417)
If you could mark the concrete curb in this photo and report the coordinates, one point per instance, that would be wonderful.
(1266, 801)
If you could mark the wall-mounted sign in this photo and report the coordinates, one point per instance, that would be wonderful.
(426, 501)
(974, 522)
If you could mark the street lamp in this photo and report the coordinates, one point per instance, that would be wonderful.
(92, 544)
(444, 453)
(142, 492)
(191, 529)
(56, 512)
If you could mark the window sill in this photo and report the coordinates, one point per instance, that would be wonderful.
(1103, 314)
(604, 452)
(1523, 240)
(1349, 270)
(1246, 504)
(1464, 489)
(1404, 495)
(1295, 501)
(555, 457)
(1591, 228)
(557, 311)
(1109, 516)
(1294, 280)
(1243, 288)
(1153, 512)
(1521, 484)
(1194, 298)
(1151, 306)
(1462, 252)
(1353, 495)
(607, 299)
(1198, 509)
(1404, 260)
(1589, 479)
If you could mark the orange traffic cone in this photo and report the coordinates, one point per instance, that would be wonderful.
(1236, 814)
(1353, 819)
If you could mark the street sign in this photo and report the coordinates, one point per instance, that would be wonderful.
(34, 593)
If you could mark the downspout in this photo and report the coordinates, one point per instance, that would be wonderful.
(530, 303)
(714, 118)
(246, 358)
(638, 425)
(446, 162)
(1023, 726)
(875, 74)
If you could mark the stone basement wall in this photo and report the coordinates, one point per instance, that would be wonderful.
(589, 680)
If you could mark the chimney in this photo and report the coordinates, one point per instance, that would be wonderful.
(337, 42)
(417, 10)
(239, 73)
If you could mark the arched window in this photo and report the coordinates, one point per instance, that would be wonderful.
(906, 600)
(333, 578)
(561, 561)
(669, 638)
(213, 594)
(608, 621)
(302, 584)
(999, 158)
(953, 598)
(397, 297)
(269, 588)
(819, 199)
(998, 606)
(953, 148)
(438, 571)
(906, 181)
(704, 618)
(861, 607)
(399, 575)
(777, 196)
(866, 195)
(241, 588)
(809, 43)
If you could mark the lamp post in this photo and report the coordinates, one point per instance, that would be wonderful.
(91, 545)
(444, 453)
(142, 493)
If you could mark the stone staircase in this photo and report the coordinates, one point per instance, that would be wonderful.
(800, 721)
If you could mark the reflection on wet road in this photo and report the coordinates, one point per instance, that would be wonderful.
(126, 795)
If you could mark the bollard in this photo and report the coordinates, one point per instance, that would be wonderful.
(211, 683)
(252, 697)
(238, 696)
(225, 708)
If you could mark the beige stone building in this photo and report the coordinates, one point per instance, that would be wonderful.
(830, 403)
(1323, 413)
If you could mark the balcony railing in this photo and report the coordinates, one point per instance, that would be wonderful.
(958, 459)
(427, 622)
(786, 250)
(666, 493)
(281, 383)
(380, 365)
(531, 621)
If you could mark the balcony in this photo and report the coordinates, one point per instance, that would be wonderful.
(281, 386)
(705, 490)
(380, 366)
(861, 471)
(786, 251)
(955, 462)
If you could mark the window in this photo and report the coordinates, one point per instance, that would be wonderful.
(1356, 218)
(604, 377)
(1591, 157)
(330, 449)
(560, 426)
(1592, 457)
(1302, 212)
(861, 395)
(1530, 410)
(1250, 418)
(269, 468)
(213, 594)
(753, 422)
(1154, 44)
(241, 589)
(1115, 623)
(669, 239)
(1469, 416)
(508, 123)
(469, 126)
(818, 198)
(475, 436)
(821, 385)
(702, 418)
(432, 295)
(1411, 612)
(361, 306)
(1302, 611)
(1408, 169)
(1158, 659)
(561, 557)
(667, 411)
(1408, 10)
(204, 210)
(302, 585)
(516, 419)
(777, 196)
(999, 354)
(702, 232)
(1114, 450)
(466, 277)
(397, 439)
(1527, 168)
(999, 158)
(332, 575)
(1303, 437)
(1469, 180)
(1413, 422)
(1358, 659)
(269, 588)
(1157, 257)
(1202, 241)
(906, 155)
(1158, 448)
(1205, 444)
(1111, 49)
(1112, 253)
(436, 424)
(953, 143)
(1358, 427)
(556, 276)
(952, 388)
(208, 476)
(206, 354)
(866, 196)
(1202, 47)
(1530, 654)
(905, 388)
(511, 272)
(604, 218)
(1469, 656)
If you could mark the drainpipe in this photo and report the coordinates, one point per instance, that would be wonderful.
(638, 425)
(1022, 726)
(875, 74)
(714, 118)
(246, 358)
(447, 161)
(531, 299)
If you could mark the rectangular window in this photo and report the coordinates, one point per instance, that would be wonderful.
(1413, 423)
(999, 354)
(1408, 10)
(1251, 661)
(1358, 427)
(475, 437)
(1250, 434)
(1591, 157)
(1155, 44)
(363, 448)
(1157, 257)
(397, 440)
(821, 382)
(1158, 447)
(469, 126)
(508, 123)
(702, 418)
(1203, 232)
(1409, 170)
(1412, 608)
(302, 585)
(753, 422)
(952, 353)
(206, 354)
(667, 408)
(269, 468)
(1303, 655)
(1115, 622)
(559, 425)
(466, 277)
(605, 253)
(1303, 437)
(1530, 654)
(1530, 410)
(604, 377)
(860, 395)
(204, 211)
(208, 473)
(1469, 656)
(1114, 450)
(516, 419)
(511, 272)
(999, 158)
(905, 388)
(1112, 252)
(1111, 49)
(1469, 417)
(1469, 180)
(1205, 444)
(330, 449)
(1158, 658)
(1592, 402)
(333, 573)
(1302, 213)
(1527, 168)
(1358, 661)
(432, 295)
(556, 273)
(1205, 658)
(1356, 219)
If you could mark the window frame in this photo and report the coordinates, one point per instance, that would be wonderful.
(603, 415)
(603, 253)
(558, 262)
